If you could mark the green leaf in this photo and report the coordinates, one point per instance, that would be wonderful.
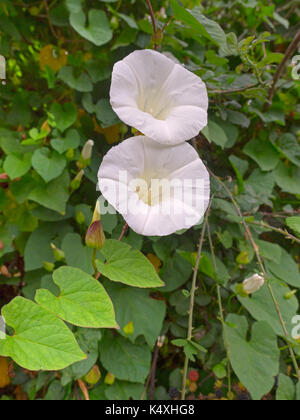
(215, 134)
(16, 165)
(97, 30)
(82, 301)
(289, 147)
(286, 389)
(176, 273)
(136, 306)
(262, 308)
(76, 254)
(202, 25)
(70, 141)
(53, 195)
(264, 154)
(294, 223)
(49, 165)
(286, 269)
(270, 251)
(81, 83)
(121, 390)
(260, 362)
(127, 361)
(88, 340)
(40, 341)
(65, 115)
(287, 178)
(128, 266)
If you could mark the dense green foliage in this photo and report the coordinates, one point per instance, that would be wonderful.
(74, 335)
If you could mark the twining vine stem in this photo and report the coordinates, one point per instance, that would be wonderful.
(289, 52)
(192, 301)
(275, 229)
(256, 249)
(221, 311)
(153, 22)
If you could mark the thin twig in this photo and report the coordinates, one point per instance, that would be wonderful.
(84, 389)
(153, 22)
(275, 229)
(153, 372)
(192, 301)
(49, 20)
(237, 90)
(124, 230)
(289, 52)
(256, 250)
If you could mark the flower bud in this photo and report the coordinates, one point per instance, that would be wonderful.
(48, 266)
(1, 246)
(253, 284)
(59, 255)
(80, 218)
(87, 150)
(76, 182)
(94, 376)
(70, 154)
(95, 237)
(109, 378)
(129, 328)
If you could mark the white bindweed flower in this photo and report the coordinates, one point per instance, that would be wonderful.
(253, 284)
(158, 189)
(159, 97)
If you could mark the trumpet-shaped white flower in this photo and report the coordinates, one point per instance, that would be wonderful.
(158, 189)
(159, 97)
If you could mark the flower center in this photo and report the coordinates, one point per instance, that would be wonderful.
(154, 103)
(153, 191)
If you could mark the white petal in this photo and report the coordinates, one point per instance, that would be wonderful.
(143, 158)
(159, 97)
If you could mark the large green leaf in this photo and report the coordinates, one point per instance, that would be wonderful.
(287, 178)
(127, 265)
(40, 340)
(127, 361)
(289, 147)
(137, 307)
(286, 389)
(202, 26)
(97, 31)
(255, 362)
(286, 269)
(82, 301)
(264, 154)
(215, 134)
(122, 390)
(262, 308)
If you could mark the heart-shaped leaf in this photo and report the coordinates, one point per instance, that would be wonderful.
(49, 165)
(65, 115)
(70, 141)
(97, 31)
(83, 301)
(40, 340)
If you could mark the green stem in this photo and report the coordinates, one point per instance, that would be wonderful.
(192, 302)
